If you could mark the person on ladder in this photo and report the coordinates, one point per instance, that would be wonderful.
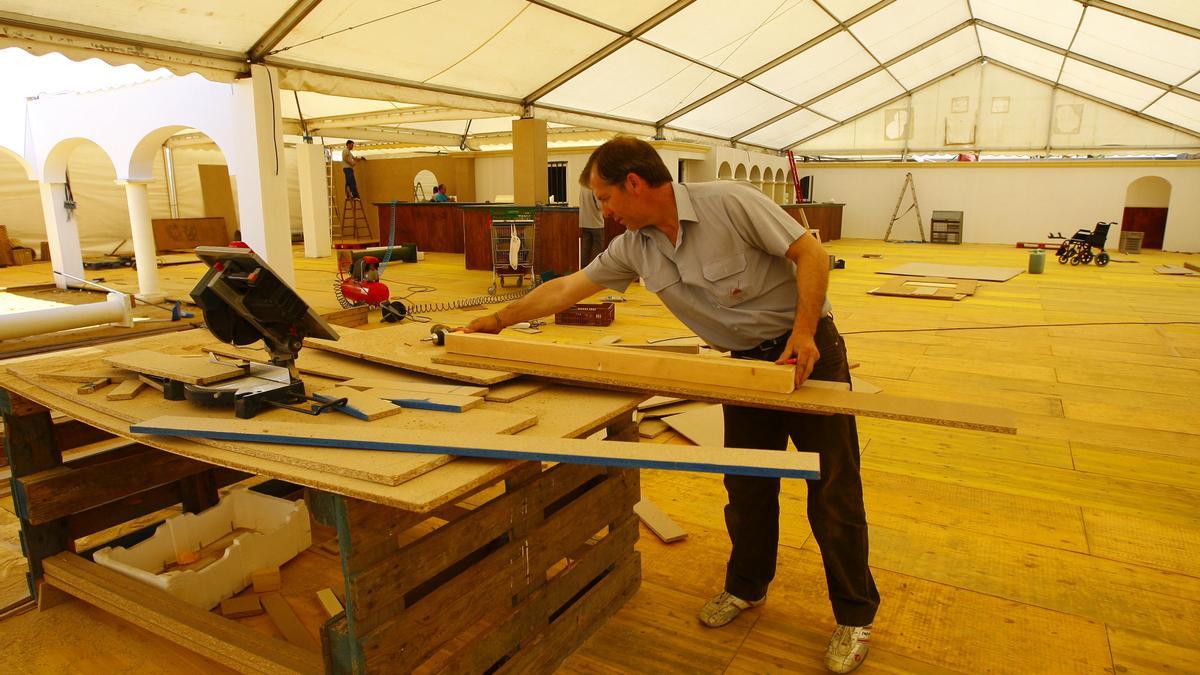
(351, 161)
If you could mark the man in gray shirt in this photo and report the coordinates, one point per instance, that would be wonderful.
(746, 278)
(591, 227)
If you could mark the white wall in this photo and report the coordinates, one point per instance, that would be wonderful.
(1008, 203)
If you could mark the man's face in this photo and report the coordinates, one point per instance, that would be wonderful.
(624, 202)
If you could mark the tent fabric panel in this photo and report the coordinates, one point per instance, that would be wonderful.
(859, 96)
(904, 24)
(487, 51)
(1018, 54)
(1051, 21)
(314, 105)
(622, 14)
(1193, 85)
(738, 41)
(1177, 109)
(733, 112)
(505, 64)
(941, 57)
(1186, 12)
(232, 25)
(818, 69)
(1109, 86)
(790, 129)
(844, 9)
(638, 82)
(1141, 48)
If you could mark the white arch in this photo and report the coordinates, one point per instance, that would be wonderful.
(724, 172)
(740, 172)
(755, 175)
(25, 166)
(1151, 191)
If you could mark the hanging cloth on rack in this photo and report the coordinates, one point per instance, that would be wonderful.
(514, 248)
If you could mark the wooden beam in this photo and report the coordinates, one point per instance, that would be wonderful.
(740, 373)
(495, 446)
(203, 632)
(807, 398)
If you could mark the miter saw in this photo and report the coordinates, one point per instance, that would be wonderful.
(244, 301)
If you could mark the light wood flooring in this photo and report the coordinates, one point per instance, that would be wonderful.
(1073, 546)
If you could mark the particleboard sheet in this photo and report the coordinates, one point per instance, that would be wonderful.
(659, 523)
(805, 398)
(664, 347)
(492, 446)
(427, 388)
(1192, 266)
(189, 369)
(656, 401)
(423, 493)
(1176, 270)
(424, 401)
(863, 386)
(401, 347)
(920, 269)
(375, 467)
(704, 426)
(514, 390)
(327, 364)
(359, 405)
(125, 390)
(651, 428)
(740, 373)
(932, 288)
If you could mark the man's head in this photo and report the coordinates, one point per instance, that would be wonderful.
(628, 176)
(349, 145)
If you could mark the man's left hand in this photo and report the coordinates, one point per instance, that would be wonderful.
(803, 350)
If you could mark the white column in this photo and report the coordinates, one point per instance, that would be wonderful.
(144, 250)
(314, 200)
(62, 234)
(260, 171)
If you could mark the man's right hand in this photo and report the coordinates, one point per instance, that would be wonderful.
(485, 324)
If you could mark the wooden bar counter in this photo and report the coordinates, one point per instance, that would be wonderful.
(826, 218)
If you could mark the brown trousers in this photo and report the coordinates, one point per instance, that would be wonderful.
(835, 502)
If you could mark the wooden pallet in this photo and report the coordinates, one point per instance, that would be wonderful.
(520, 580)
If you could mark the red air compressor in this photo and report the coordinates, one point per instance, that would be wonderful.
(357, 281)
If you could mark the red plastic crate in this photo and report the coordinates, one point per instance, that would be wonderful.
(587, 314)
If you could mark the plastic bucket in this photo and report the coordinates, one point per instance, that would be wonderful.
(1037, 262)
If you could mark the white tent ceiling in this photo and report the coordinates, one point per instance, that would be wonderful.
(771, 73)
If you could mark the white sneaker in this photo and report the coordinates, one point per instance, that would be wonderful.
(848, 648)
(724, 608)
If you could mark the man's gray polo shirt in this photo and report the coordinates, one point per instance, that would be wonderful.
(728, 278)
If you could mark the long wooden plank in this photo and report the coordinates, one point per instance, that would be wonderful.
(804, 399)
(401, 347)
(427, 388)
(189, 369)
(359, 405)
(739, 373)
(920, 269)
(493, 446)
(217, 638)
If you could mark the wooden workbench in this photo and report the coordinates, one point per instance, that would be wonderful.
(471, 564)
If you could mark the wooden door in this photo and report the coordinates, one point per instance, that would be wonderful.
(1151, 221)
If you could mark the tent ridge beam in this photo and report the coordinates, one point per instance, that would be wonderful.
(860, 43)
(837, 28)
(286, 23)
(594, 58)
(1128, 13)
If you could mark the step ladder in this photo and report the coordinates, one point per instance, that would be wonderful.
(329, 192)
(908, 186)
(353, 225)
(796, 184)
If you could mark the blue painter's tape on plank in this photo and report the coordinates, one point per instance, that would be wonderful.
(424, 404)
(604, 453)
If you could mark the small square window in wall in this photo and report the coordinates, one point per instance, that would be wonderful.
(960, 104)
(999, 105)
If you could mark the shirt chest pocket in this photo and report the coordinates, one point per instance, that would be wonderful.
(729, 280)
(660, 278)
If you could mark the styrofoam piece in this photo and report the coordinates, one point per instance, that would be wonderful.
(281, 531)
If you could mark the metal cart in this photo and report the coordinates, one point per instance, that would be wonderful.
(507, 222)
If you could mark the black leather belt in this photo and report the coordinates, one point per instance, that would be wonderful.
(767, 345)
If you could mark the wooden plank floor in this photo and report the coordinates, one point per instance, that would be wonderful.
(1073, 546)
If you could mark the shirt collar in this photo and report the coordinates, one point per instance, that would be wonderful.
(683, 204)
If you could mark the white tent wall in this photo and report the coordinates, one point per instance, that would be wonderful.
(1008, 203)
(1016, 114)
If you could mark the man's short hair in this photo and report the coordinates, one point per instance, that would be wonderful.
(623, 155)
(349, 142)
